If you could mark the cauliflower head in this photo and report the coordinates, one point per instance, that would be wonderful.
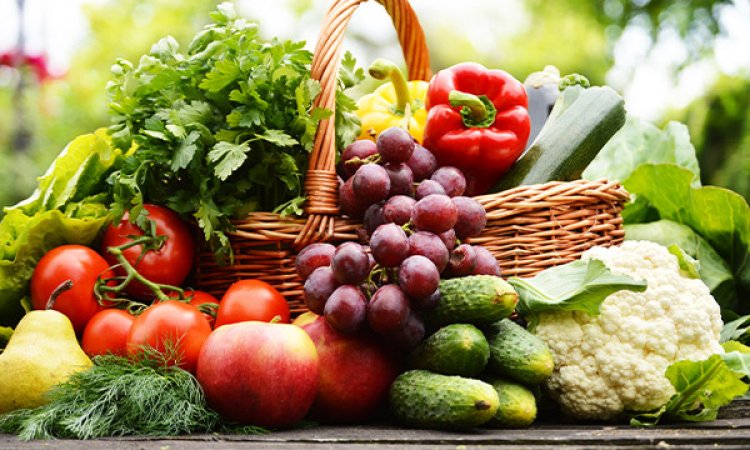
(616, 361)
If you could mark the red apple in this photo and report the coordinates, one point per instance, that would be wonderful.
(356, 372)
(259, 373)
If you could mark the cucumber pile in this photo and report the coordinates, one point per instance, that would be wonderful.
(478, 367)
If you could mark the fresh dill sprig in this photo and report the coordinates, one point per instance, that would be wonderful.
(123, 397)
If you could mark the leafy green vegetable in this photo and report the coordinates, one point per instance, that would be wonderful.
(737, 357)
(576, 286)
(720, 216)
(688, 265)
(120, 397)
(639, 142)
(736, 330)
(67, 208)
(223, 129)
(659, 168)
(702, 387)
(712, 268)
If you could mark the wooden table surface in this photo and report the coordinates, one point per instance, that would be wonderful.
(730, 431)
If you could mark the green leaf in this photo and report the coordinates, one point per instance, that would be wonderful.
(713, 270)
(639, 142)
(277, 137)
(737, 357)
(720, 216)
(185, 152)
(222, 75)
(77, 172)
(688, 265)
(576, 286)
(736, 330)
(227, 158)
(349, 74)
(701, 387)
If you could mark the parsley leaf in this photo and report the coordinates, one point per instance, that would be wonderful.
(223, 129)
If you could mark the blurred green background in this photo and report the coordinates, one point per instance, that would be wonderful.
(673, 60)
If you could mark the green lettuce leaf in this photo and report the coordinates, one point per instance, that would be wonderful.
(718, 215)
(576, 286)
(78, 172)
(702, 387)
(713, 270)
(639, 142)
(68, 207)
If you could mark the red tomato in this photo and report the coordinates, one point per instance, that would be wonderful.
(198, 298)
(107, 332)
(169, 265)
(76, 263)
(174, 323)
(251, 300)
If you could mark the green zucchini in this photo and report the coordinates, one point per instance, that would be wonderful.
(582, 121)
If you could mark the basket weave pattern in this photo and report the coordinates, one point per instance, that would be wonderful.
(529, 228)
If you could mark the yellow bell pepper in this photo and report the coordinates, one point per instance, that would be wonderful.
(390, 103)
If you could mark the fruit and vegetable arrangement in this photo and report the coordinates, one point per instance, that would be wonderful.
(106, 329)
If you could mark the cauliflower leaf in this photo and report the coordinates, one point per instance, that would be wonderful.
(702, 387)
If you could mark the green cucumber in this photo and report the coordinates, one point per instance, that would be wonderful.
(517, 404)
(517, 354)
(423, 399)
(582, 121)
(475, 299)
(458, 349)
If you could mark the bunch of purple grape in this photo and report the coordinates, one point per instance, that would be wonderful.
(414, 214)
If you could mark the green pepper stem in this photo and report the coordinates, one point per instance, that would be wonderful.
(476, 109)
(382, 69)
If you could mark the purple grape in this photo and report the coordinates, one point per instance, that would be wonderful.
(373, 218)
(435, 213)
(398, 209)
(371, 183)
(350, 263)
(463, 261)
(395, 145)
(430, 246)
(472, 217)
(427, 303)
(407, 337)
(449, 239)
(389, 245)
(318, 287)
(486, 262)
(360, 149)
(418, 277)
(428, 187)
(452, 180)
(402, 180)
(313, 256)
(422, 163)
(346, 309)
(388, 309)
(351, 204)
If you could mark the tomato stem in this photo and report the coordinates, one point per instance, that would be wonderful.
(148, 243)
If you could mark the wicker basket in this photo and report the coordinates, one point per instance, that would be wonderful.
(529, 228)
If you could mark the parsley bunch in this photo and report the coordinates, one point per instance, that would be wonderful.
(222, 130)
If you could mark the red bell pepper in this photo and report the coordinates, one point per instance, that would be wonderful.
(477, 121)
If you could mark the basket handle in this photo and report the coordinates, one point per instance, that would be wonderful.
(321, 182)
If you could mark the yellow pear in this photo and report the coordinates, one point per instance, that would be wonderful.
(42, 352)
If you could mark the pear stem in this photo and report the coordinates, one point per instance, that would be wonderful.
(64, 286)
